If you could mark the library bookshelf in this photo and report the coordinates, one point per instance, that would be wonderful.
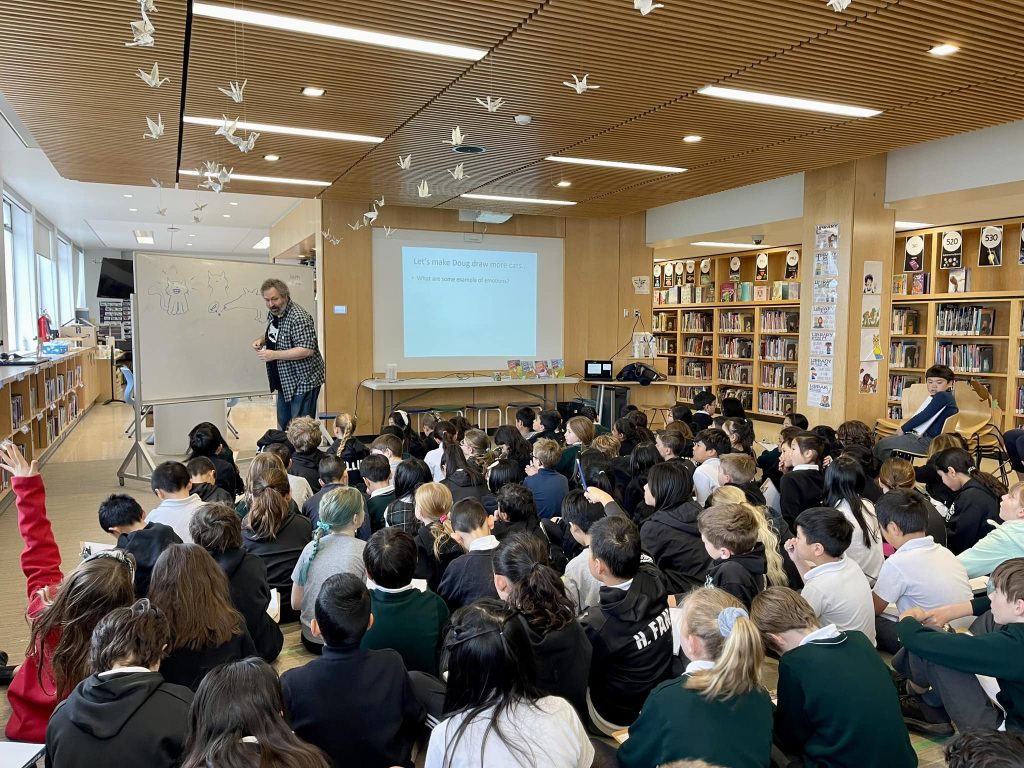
(40, 404)
(742, 347)
(978, 332)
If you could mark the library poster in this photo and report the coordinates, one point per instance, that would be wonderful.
(821, 369)
(913, 254)
(872, 277)
(826, 291)
(867, 379)
(826, 264)
(823, 342)
(870, 346)
(826, 237)
(871, 312)
(792, 265)
(761, 275)
(819, 395)
(952, 250)
(990, 249)
(824, 317)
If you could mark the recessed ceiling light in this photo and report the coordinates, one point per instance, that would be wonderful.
(616, 164)
(271, 158)
(226, 215)
(911, 225)
(336, 31)
(263, 244)
(232, 203)
(266, 179)
(564, 183)
(143, 236)
(285, 130)
(312, 90)
(133, 210)
(790, 102)
(738, 246)
(127, 196)
(189, 244)
(944, 50)
(506, 199)
(692, 139)
(193, 234)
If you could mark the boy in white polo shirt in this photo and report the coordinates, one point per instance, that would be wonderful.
(172, 484)
(834, 585)
(921, 573)
(708, 445)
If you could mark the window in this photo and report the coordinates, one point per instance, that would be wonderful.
(80, 300)
(65, 283)
(46, 271)
(21, 285)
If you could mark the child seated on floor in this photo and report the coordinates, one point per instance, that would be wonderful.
(543, 479)
(581, 586)
(629, 629)
(377, 476)
(305, 436)
(471, 575)
(390, 447)
(1003, 543)
(172, 485)
(708, 446)
(204, 481)
(802, 485)
(398, 606)
(299, 486)
(836, 701)
(943, 666)
(124, 713)
(121, 516)
(357, 705)
(920, 573)
(739, 541)
(331, 475)
(834, 585)
(718, 711)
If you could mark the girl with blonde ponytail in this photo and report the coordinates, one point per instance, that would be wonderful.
(334, 549)
(719, 711)
(434, 539)
(731, 494)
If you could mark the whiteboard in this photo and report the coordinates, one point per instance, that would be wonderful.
(195, 322)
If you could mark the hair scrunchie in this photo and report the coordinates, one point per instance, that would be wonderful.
(727, 619)
(322, 526)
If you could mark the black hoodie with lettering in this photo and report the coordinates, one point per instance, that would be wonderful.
(631, 637)
(130, 718)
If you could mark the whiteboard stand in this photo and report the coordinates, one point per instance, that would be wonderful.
(138, 452)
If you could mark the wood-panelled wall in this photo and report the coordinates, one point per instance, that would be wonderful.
(601, 257)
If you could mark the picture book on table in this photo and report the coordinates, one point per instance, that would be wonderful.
(558, 367)
(542, 369)
(515, 369)
(528, 372)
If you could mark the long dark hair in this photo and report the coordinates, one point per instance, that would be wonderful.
(401, 421)
(490, 665)
(644, 457)
(627, 428)
(845, 481)
(242, 699)
(670, 484)
(536, 590)
(205, 440)
(410, 474)
(502, 472)
(744, 431)
(598, 470)
(961, 461)
(512, 445)
(453, 459)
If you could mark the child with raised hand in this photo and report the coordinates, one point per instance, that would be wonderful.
(122, 517)
(334, 549)
(524, 579)
(62, 610)
(434, 542)
(943, 666)
(398, 606)
(124, 713)
(803, 485)
(739, 541)
(844, 484)
(497, 716)
(471, 575)
(235, 720)
(1001, 544)
(718, 711)
(976, 495)
(834, 585)
(836, 701)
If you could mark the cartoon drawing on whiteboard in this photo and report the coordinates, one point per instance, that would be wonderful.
(249, 301)
(218, 282)
(173, 294)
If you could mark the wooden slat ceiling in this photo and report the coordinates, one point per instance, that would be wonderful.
(67, 73)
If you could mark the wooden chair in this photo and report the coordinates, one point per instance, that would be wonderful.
(978, 423)
(910, 401)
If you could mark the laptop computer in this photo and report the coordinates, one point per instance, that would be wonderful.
(597, 370)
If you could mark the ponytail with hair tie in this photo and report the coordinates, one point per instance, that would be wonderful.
(727, 619)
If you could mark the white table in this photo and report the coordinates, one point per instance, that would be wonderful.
(428, 385)
(17, 754)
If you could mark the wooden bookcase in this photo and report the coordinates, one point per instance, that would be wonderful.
(987, 345)
(744, 349)
(39, 405)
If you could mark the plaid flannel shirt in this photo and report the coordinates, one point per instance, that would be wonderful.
(296, 329)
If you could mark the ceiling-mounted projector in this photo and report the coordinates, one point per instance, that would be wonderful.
(485, 217)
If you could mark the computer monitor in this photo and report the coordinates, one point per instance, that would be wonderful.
(597, 370)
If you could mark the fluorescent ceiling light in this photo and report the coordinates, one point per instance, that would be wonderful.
(226, 215)
(266, 179)
(133, 210)
(692, 139)
(790, 102)
(312, 90)
(127, 196)
(615, 164)
(336, 31)
(737, 246)
(143, 236)
(564, 183)
(232, 203)
(192, 234)
(911, 225)
(285, 130)
(263, 244)
(271, 158)
(506, 199)
(944, 50)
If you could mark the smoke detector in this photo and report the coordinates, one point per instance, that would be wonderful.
(484, 217)
(523, 119)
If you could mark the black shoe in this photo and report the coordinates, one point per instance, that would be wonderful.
(924, 718)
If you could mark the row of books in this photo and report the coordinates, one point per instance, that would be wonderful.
(780, 321)
(735, 373)
(696, 322)
(54, 388)
(777, 403)
(665, 345)
(1020, 359)
(895, 412)
(697, 369)
(745, 396)
(736, 347)
(905, 321)
(965, 320)
(537, 369)
(18, 413)
(736, 321)
(699, 345)
(904, 354)
(965, 358)
(1018, 403)
(688, 393)
(778, 376)
(5, 476)
(900, 381)
(915, 284)
(780, 290)
(775, 348)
